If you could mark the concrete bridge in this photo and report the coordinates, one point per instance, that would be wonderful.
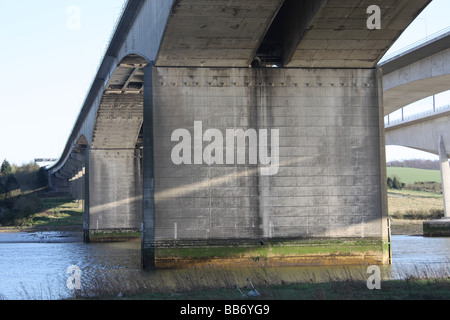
(179, 76)
(420, 72)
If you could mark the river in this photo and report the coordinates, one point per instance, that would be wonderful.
(34, 265)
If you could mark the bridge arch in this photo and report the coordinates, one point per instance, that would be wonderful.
(413, 91)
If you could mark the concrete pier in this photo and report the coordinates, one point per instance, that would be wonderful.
(330, 159)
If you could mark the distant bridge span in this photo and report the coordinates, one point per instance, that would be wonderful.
(418, 73)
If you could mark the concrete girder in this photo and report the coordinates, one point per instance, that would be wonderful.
(417, 80)
(62, 175)
(77, 163)
(421, 134)
(118, 122)
(71, 168)
(126, 78)
(78, 157)
(202, 33)
(338, 37)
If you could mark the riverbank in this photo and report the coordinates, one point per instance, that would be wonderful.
(407, 227)
(58, 217)
(316, 284)
(413, 289)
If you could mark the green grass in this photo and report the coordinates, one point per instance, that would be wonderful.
(58, 213)
(411, 175)
(54, 213)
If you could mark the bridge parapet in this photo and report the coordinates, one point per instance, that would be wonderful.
(422, 116)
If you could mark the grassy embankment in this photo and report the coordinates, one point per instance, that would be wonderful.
(35, 211)
(204, 284)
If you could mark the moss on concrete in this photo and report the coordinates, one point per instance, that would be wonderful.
(288, 253)
(276, 249)
(114, 236)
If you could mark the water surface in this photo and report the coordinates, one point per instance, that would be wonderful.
(34, 265)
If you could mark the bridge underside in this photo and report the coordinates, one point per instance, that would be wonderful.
(416, 80)
(290, 33)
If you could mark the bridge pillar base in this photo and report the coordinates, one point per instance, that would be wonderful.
(111, 235)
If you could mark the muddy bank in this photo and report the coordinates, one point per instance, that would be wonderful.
(73, 235)
(407, 227)
(41, 237)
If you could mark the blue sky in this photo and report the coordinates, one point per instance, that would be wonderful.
(49, 58)
(47, 67)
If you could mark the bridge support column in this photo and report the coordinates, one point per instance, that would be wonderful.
(445, 175)
(320, 130)
(115, 196)
(148, 206)
(441, 227)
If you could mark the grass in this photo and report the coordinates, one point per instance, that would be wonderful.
(201, 284)
(411, 175)
(419, 205)
(421, 199)
(54, 213)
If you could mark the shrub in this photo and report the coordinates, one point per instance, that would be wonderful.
(432, 186)
(20, 210)
(395, 183)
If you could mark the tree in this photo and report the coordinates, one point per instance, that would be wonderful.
(6, 168)
(11, 183)
(390, 183)
(397, 184)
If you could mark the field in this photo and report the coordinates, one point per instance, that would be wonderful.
(410, 175)
(420, 200)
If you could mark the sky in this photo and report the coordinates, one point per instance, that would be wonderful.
(51, 51)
